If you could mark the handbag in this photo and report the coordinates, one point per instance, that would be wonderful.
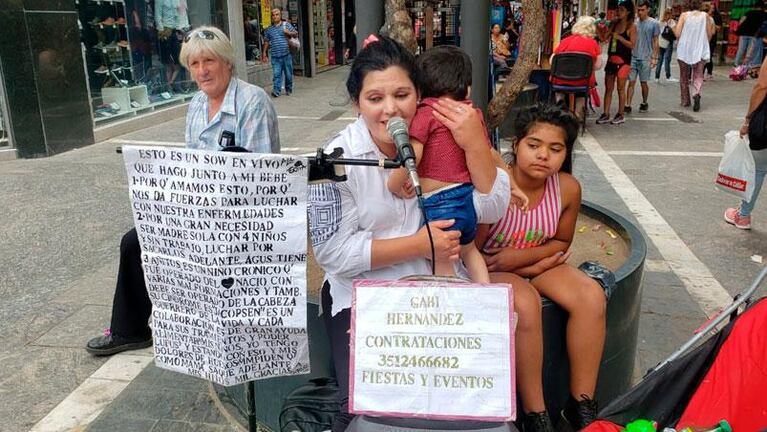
(737, 169)
(668, 34)
(757, 128)
(294, 44)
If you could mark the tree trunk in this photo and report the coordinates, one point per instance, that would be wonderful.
(531, 37)
(398, 25)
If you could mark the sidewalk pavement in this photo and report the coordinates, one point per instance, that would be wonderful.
(64, 216)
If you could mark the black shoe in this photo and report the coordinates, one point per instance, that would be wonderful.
(275, 95)
(113, 344)
(579, 414)
(537, 422)
(643, 107)
(627, 109)
(288, 93)
(696, 103)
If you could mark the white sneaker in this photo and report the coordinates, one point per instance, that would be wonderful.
(657, 80)
(672, 79)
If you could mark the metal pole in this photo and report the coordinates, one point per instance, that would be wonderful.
(475, 40)
(745, 297)
(250, 397)
(237, 37)
(369, 19)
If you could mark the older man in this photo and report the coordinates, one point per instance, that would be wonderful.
(223, 104)
(277, 45)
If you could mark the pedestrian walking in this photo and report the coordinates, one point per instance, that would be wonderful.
(748, 42)
(666, 45)
(621, 38)
(693, 31)
(644, 55)
(740, 216)
(277, 46)
(714, 13)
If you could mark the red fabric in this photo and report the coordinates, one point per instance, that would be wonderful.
(442, 158)
(581, 44)
(734, 387)
(603, 426)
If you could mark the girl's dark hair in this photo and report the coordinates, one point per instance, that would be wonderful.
(630, 8)
(444, 70)
(695, 5)
(378, 56)
(555, 116)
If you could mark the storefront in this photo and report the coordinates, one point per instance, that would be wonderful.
(103, 68)
(131, 50)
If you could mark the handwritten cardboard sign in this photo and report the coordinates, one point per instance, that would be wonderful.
(223, 241)
(432, 350)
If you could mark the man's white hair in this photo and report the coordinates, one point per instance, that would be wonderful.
(198, 44)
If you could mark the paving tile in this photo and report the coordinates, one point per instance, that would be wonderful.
(70, 331)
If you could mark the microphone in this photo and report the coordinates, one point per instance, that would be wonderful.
(398, 131)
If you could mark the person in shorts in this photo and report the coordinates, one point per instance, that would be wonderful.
(644, 55)
(620, 39)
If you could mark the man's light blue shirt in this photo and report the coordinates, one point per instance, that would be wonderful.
(246, 111)
(647, 30)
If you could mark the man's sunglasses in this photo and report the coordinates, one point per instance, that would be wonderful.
(202, 34)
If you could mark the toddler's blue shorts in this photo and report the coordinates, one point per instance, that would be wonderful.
(454, 203)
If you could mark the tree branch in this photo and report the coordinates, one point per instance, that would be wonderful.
(530, 39)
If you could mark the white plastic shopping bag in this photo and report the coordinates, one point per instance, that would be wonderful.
(736, 170)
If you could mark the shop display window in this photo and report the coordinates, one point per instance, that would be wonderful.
(131, 50)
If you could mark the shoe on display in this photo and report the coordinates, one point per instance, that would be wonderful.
(112, 45)
(95, 21)
(101, 69)
(123, 44)
(120, 21)
(116, 68)
(112, 344)
(672, 79)
(108, 21)
(603, 119)
(643, 107)
(627, 109)
(732, 216)
(99, 46)
(618, 119)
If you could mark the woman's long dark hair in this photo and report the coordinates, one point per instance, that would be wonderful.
(631, 13)
(378, 55)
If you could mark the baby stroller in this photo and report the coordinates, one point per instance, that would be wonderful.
(722, 378)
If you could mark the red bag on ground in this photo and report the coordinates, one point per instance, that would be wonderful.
(594, 96)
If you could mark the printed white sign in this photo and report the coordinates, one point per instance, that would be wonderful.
(432, 350)
(223, 241)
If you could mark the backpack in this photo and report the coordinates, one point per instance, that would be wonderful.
(668, 34)
(310, 407)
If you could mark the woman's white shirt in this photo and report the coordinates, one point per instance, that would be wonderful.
(693, 45)
(345, 217)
